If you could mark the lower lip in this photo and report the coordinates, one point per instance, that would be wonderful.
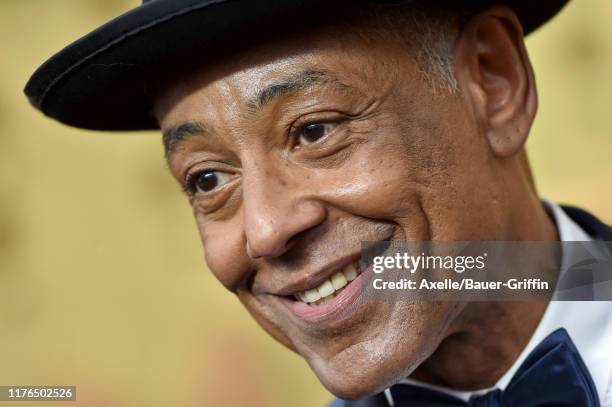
(333, 307)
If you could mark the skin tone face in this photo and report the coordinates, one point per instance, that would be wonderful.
(294, 153)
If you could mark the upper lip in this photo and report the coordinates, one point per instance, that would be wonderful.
(314, 279)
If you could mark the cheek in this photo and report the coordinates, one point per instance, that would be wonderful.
(447, 163)
(266, 317)
(383, 180)
(225, 257)
(464, 187)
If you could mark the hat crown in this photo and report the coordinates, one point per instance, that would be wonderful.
(104, 80)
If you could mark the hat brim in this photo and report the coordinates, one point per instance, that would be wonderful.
(103, 81)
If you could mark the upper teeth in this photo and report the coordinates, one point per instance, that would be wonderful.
(329, 287)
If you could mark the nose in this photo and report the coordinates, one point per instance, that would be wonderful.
(276, 212)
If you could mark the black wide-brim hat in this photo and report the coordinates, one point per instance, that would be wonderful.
(105, 80)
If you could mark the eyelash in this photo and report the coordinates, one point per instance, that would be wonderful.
(191, 179)
(297, 127)
(189, 186)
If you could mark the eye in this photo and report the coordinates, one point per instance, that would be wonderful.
(208, 180)
(311, 133)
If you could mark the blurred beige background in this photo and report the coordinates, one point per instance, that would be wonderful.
(102, 278)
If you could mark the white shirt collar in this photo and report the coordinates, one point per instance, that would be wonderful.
(591, 335)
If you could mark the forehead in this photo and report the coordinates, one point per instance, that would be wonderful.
(235, 82)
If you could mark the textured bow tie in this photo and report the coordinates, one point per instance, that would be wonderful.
(553, 374)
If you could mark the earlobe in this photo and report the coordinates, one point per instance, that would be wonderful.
(492, 62)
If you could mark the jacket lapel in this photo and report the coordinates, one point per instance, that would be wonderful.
(593, 226)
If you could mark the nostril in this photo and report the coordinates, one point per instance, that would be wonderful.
(292, 241)
(265, 251)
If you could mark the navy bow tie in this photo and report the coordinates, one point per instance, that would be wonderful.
(553, 374)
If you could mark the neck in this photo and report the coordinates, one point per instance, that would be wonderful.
(476, 357)
(487, 337)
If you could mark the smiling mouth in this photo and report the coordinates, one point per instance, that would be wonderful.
(330, 287)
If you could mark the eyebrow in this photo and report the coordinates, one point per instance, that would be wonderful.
(174, 135)
(291, 84)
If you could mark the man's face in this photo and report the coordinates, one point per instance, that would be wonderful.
(295, 153)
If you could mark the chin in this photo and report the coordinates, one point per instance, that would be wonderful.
(359, 373)
(354, 384)
(368, 364)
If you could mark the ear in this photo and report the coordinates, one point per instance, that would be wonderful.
(494, 72)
